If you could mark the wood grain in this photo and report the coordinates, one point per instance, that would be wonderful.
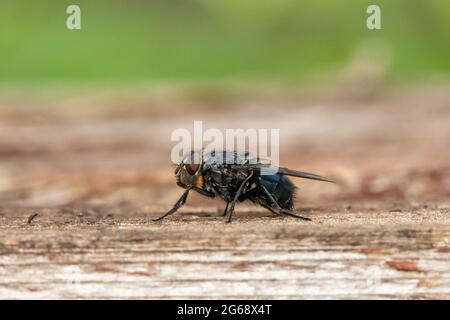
(337, 255)
(92, 168)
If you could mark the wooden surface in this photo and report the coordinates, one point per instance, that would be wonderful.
(340, 254)
(95, 166)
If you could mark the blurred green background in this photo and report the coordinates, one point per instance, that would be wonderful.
(205, 40)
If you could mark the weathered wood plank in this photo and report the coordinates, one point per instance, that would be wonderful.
(65, 156)
(188, 257)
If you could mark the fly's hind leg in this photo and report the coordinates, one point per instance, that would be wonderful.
(271, 209)
(277, 209)
(177, 206)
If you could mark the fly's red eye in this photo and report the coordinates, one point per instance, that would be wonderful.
(192, 168)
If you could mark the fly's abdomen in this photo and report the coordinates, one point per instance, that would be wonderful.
(281, 188)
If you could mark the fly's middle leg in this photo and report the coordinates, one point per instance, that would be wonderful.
(236, 196)
(226, 209)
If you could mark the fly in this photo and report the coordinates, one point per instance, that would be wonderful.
(236, 177)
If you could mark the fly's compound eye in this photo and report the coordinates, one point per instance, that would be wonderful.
(192, 168)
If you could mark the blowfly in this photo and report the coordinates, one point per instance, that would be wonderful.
(236, 177)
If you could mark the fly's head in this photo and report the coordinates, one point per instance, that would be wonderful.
(188, 172)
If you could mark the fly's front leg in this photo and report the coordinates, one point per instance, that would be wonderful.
(177, 206)
(236, 196)
(276, 207)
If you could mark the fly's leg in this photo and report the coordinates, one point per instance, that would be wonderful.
(290, 213)
(236, 196)
(272, 209)
(277, 209)
(177, 206)
(226, 209)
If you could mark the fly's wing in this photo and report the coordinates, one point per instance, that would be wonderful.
(288, 172)
(304, 175)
